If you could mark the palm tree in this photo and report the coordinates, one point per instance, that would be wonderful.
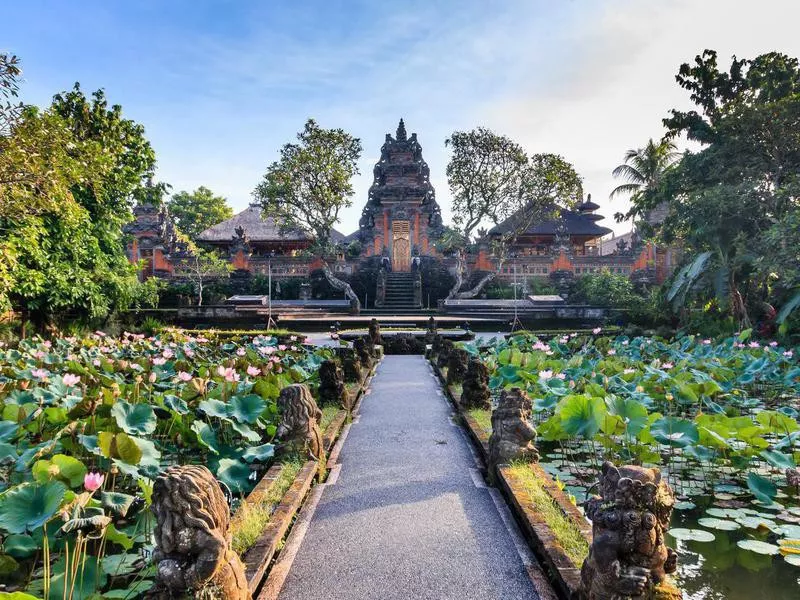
(643, 167)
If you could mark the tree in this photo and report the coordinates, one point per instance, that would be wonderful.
(69, 176)
(195, 212)
(485, 172)
(10, 73)
(310, 184)
(643, 168)
(492, 179)
(727, 198)
(312, 181)
(201, 266)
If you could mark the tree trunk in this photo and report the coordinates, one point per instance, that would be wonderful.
(459, 277)
(477, 289)
(342, 286)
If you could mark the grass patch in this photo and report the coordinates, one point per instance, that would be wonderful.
(483, 418)
(455, 390)
(329, 411)
(251, 519)
(567, 534)
(352, 388)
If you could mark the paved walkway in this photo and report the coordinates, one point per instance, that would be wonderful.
(408, 516)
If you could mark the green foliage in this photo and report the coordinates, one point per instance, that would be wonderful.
(70, 173)
(194, 212)
(10, 74)
(312, 181)
(491, 178)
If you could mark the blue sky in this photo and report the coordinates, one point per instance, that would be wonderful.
(221, 85)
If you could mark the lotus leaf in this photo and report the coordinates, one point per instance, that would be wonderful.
(61, 467)
(695, 535)
(758, 547)
(30, 505)
(135, 419)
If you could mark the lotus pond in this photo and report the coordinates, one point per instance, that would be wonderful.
(720, 418)
(87, 424)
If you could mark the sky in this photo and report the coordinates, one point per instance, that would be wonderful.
(221, 85)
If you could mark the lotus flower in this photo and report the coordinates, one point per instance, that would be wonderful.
(706, 342)
(159, 360)
(667, 365)
(40, 373)
(241, 352)
(773, 343)
(612, 352)
(788, 354)
(71, 380)
(547, 374)
(151, 378)
(253, 371)
(167, 353)
(754, 345)
(281, 347)
(628, 371)
(228, 373)
(184, 376)
(560, 376)
(93, 481)
(293, 338)
(597, 330)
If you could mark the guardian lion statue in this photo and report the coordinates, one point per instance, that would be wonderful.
(193, 553)
(628, 557)
(298, 431)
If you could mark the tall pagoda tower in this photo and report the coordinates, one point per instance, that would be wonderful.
(401, 219)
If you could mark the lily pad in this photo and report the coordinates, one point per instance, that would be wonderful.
(695, 535)
(721, 524)
(685, 505)
(758, 546)
(792, 559)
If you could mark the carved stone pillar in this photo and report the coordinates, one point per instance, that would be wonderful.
(475, 389)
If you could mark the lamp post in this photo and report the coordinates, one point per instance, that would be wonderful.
(270, 322)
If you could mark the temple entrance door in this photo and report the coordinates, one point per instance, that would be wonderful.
(401, 246)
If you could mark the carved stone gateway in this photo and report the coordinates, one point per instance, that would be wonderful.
(193, 553)
(298, 431)
(628, 557)
(512, 434)
(331, 385)
(475, 389)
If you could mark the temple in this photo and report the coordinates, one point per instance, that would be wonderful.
(401, 218)
(399, 226)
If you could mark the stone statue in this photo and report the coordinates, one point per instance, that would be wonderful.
(512, 434)
(380, 288)
(443, 355)
(628, 558)
(351, 365)
(375, 332)
(331, 385)
(475, 389)
(298, 431)
(193, 553)
(362, 348)
(457, 366)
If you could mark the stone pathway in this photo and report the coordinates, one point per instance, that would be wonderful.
(409, 515)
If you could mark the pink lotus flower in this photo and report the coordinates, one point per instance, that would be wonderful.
(167, 353)
(266, 349)
(228, 373)
(706, 342)
(548, 352)
(628, 371)
(151, 378)
(546, 374)
(241, 352)
(275, 359)
(293, 338)
(597, 330)
(788, 354)
(573, 334)
(308, 341)
(612, 352)
(40, 373)
(70, 380)
(47, 344)
(96, 362)
(188, 352)
(253, 371)
(184, 376)
(667, 365)
(281, 347)
(39, 355)
(159, 360)
(754, 345)
(93, 481)
(560, 376)
(105, 349)
(624, 342)
(773, 343)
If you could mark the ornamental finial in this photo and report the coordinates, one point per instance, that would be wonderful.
(401, 131)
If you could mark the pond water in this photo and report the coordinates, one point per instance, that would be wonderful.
(717, 569)
(721, 570)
